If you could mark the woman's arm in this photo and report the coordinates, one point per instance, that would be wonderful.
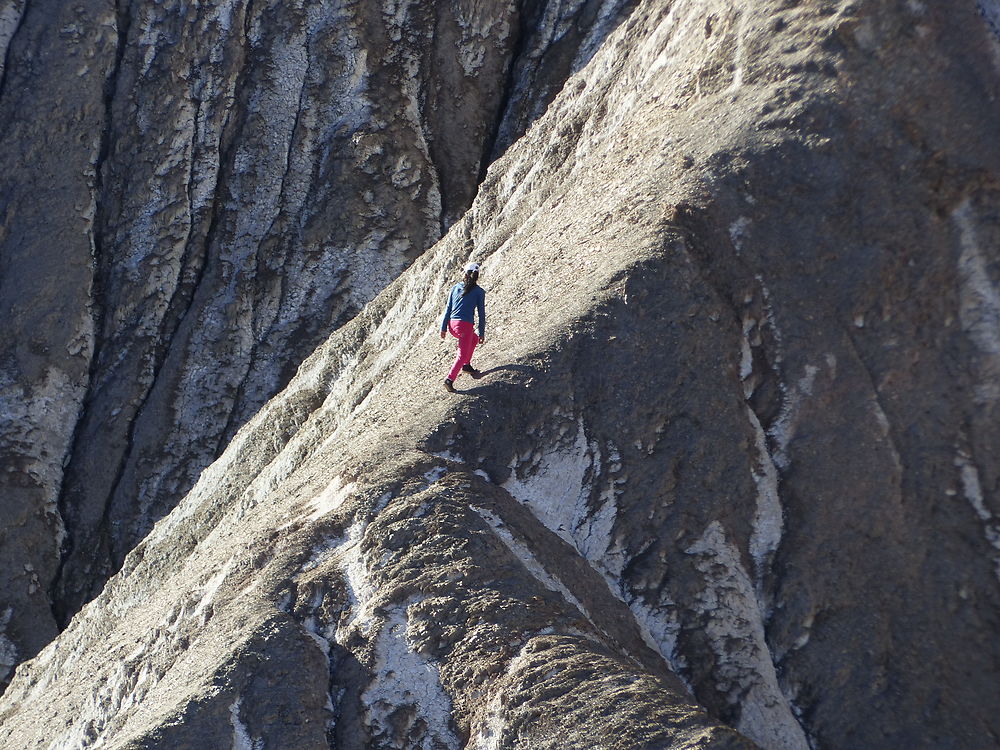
(481, 307)
(447, 313)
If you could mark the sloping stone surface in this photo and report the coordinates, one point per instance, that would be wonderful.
(737, 436)
(195, 196)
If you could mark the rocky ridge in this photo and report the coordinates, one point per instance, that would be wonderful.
(247, 178)
(704, 304)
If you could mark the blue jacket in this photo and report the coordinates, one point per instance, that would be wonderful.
(463, 308)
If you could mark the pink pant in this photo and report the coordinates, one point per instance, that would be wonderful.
(465, 332)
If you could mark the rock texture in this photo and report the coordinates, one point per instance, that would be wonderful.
(193, 198)
(734, 460)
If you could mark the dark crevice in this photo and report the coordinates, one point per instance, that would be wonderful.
(123, 21)
(558, 57)
(10, 44)
(525, 24)
(693, 222)
(170, 328)
(188, 257)
(64, 607)
(878, 402)
(431, 136)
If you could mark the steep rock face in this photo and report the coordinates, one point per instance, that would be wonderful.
(46, 278)
(238, 225)
(194, 197)
(737, 436)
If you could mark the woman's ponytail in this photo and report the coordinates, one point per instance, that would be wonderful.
(471, 277)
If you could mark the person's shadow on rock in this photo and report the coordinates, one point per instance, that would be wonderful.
(482, 387)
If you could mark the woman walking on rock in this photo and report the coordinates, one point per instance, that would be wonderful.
(464, 299)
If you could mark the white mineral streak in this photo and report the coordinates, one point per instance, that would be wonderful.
(734, 627)
(594, 528)
(739, 57)
(402, 678)
(979, 305)
(746, 360)
(783, 430)
(360, 590)
(241, 735)
(400, 675)
(490, 733)
(323, 633)
(769, 317)
(737, 231)
(524, 555)
(554, 485)
(768, 519)
(972, 488)
(331, 498)
(656, 630)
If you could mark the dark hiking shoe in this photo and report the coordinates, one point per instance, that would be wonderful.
(448, 386)
(472, 371)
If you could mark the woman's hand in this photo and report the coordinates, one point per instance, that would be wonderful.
(482, 340)
(442, 335)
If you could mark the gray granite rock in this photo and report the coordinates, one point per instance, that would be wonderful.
(52, 109)
(194, 197)
(733, 462)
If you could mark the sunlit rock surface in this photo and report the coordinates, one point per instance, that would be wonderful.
(194, 197)
(733, 464)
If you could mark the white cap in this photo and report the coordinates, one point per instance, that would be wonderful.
(471, 267)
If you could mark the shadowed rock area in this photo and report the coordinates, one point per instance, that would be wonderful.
(731, 475)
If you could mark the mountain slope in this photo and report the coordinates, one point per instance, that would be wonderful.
(194, 197)
(737, 437)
